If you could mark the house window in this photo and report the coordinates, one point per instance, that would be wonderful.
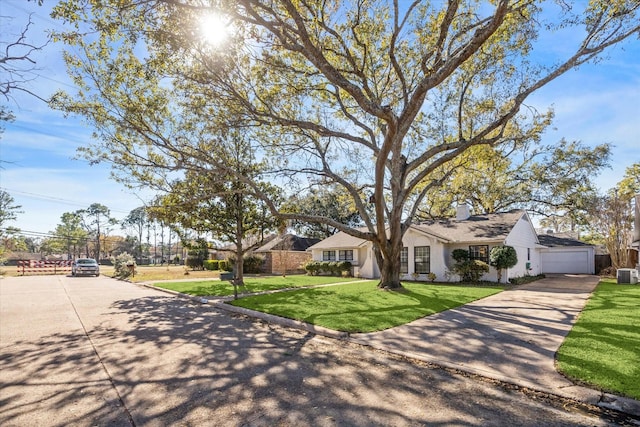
(479, 252)
(422, 259)
(328, 255)
(346, 255)
(404, 261)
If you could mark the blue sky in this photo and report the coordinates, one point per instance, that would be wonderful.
(594, 104)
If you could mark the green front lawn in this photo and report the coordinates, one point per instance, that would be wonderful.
(362, 307)
(603, 348)
(253, 284)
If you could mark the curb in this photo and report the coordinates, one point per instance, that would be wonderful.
(282, 321)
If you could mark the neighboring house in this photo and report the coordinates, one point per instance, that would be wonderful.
(286, 254)
(428, 246)
(565, 254)
(229, 250)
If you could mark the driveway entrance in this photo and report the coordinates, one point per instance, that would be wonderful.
(512, 336)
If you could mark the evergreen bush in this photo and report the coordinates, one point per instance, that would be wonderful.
(224, 265)
(469, 270)
(333, 268)
(502, 257)
(211, 264)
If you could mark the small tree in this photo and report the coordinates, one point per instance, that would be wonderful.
(198, 252)
(502, 257)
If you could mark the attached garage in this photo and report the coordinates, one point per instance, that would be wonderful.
(565, 255)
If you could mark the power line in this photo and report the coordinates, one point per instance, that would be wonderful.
(52, 199)
(39, 234)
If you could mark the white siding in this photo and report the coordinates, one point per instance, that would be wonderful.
(368, 265)
(414, 238)
(362, 259)
(524, 240)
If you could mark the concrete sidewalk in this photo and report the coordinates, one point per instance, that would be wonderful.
(512, 336)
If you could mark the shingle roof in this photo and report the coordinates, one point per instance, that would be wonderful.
(476, 228)
(339, 240)
(288, 242)
(559, 240)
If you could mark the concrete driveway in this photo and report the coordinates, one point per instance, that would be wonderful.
(511, 336)
(100, 352)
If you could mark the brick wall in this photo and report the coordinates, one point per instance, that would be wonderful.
(275, 261)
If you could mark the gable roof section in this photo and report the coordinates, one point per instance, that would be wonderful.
(477, 228)
(340, 240)
(559, 240)
(288, 242)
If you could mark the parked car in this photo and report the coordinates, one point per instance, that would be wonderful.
(85, 266)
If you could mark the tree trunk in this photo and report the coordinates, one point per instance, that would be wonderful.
(389, 261)
(390, 274)
(239, 267)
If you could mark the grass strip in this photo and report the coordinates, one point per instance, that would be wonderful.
(252, 284)
(603, 347)
(362, 307)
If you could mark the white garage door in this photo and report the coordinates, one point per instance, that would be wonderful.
(567, 261)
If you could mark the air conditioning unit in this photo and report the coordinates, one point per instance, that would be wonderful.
(627, 275)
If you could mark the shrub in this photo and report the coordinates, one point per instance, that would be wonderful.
(253, 264)
(224, 265)
(608, 272)
(312, 268)
(334, 268)
(344, 268)
(460, 255)
(122, 265)
(194, 262)
(211, 264)
(471, 270)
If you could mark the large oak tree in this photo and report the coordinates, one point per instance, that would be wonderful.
(379, 97)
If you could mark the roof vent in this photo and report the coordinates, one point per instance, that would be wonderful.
(462, 212)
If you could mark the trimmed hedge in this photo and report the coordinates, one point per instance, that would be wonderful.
(224, 265)
(212, 264)
(251, 264)
(333, 268)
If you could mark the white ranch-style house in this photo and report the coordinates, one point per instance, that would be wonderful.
(428, 246)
